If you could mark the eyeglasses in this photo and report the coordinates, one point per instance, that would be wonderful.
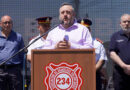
(126, 21)
(7, 22)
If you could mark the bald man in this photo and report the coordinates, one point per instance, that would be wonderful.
(120, 54)
(10, 43)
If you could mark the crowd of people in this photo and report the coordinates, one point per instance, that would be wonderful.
(69, 34)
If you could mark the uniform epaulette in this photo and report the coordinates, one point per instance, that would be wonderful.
(32, 38)
(99, 40)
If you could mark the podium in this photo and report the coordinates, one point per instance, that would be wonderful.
(63, 69)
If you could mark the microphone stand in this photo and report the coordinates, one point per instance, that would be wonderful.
(25, 71)
(25, 49)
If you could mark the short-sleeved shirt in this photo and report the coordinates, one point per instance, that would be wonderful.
(99, 50)
(120, 43)
(11, 45)
(39, 44)
(78, 36)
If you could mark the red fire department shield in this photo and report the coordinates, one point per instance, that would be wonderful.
(63, 77)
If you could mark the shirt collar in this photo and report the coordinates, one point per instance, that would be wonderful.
(122, 32)
(11, 33)
(41, 37)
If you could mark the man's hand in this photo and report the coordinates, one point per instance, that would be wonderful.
(63, 45)
(127, 69)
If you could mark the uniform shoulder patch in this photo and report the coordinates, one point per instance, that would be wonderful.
(32, 38)
(99, 40)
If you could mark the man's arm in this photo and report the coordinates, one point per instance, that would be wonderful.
(86, 41)
(103, 57)
(118, 61)
(99, 64)
(21, 46)
(29, 57)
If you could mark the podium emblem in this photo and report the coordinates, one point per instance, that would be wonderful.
(63, 76)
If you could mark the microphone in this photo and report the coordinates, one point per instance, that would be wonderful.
(66, 38)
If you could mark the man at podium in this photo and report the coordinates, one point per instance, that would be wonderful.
(69, 34)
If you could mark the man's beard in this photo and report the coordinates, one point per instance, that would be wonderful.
(127, 31)
(68, 23)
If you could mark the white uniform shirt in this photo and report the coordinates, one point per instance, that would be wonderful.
(99, 50)
(39, 44)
